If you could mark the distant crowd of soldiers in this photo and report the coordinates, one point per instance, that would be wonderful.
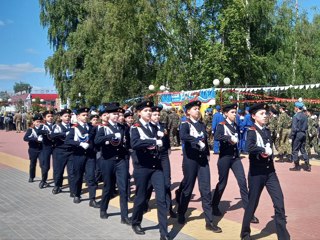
(96, 146)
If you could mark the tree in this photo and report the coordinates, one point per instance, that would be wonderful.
(22, 87)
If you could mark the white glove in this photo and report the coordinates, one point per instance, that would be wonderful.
(268, 151)
(234, 139)
(278, 135)
(40, 138)
(310, 135)
(67, 133)
(160, 134)
(201, 145)
(84, 145)
(159, 143)
(290, 140)
(107, 142)
(117, 135)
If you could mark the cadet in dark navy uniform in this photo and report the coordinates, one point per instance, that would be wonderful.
(298, 137)
(34, 138)
(113, 163)
(262, 173)
(81, 140)
(47, 147)
(227, 133)
(147, 168)
(196, 157)
(165, 151)
(62, 153)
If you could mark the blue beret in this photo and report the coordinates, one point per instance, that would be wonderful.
(209, 110)
(247, 108)
(299, 105)
(218, 107)
(239, 111)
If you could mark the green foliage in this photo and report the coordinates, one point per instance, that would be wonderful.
(113, 50)
(22, 87)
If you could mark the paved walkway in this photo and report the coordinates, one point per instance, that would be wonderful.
(26, 212)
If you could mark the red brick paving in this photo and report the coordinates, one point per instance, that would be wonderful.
(301, 192)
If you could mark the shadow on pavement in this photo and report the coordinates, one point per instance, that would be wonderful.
(266, 231)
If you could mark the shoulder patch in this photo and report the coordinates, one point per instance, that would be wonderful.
(136, 125)
(252, 128)
(222, 123)
(75, 125)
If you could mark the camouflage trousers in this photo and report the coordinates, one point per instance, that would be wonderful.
(312, 142)
(275, 140)
(210, 137)
(174, 137)
(284, 145)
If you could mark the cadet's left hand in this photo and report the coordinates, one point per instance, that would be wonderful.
(310, 135)
(160, 134)
(84, 145)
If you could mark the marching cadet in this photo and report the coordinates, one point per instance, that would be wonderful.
(298, 137)
(147, 168)
(312, 139)
(94, 120)
(195, 165)
(262, 173)
(128, 117)
(81, 139)
(216, 119)
(229, 158)
(62, 153)
(47, 147)
(34, 138)
(164, 151)
(283, 134)
(111, 138)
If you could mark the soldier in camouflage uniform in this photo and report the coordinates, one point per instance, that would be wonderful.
(207, 120)
(283, 133)
(273, 125)
(312, 139)
(173, 124)
(164, 118)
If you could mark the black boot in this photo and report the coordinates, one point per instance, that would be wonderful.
(308, 167)
(280, 160)
(295, 168)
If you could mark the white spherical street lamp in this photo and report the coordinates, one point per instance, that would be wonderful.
(226, 81)
(216, 82)
(41, 100)
(9, 100)
(162, 88)
(33, 100)
(151, 87)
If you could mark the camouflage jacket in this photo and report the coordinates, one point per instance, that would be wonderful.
(284, 122)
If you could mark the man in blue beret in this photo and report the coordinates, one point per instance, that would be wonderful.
(298, 137)
(216, 119)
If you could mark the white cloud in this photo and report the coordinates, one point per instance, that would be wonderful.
(5, 22)
(15, 71)
(2, 23)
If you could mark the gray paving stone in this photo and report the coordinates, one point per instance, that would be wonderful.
(26, 212)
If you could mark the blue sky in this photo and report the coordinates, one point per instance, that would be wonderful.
(24, 45)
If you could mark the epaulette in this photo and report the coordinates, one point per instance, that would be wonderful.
(252, 128)
(75, 125)
(222, 123)
(136, 125)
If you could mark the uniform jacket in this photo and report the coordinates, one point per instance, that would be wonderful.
(191, 148)
(165, 139)
(31, 136)
(299, 124)
(222, 134)
(259, 164)
(114, 149)
(145, 151)
(59, 134)
(45, 132)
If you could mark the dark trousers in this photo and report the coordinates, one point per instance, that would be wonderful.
(84, 164)
(226, 163)
(44, 158)
(33, 156)
(191, 171)
(61, 159)
(299, 144)
(256, 185)
(142, 177)
(109, 168)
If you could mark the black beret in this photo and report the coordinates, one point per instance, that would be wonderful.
(112, 107)
(274, 111)
(229, 107)
(82, 110)
(144, 104)
(65, 111)
(258, 106)
(192, 104)
(156, 108)
(94, 116)
(45, 113)
(128, 113)
(121, 110)
(37, 117)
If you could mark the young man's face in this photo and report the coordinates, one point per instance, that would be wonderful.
(65, 118)
(49, 118)
(121, 118)
(231, 114)
(194, 112)
(260, 117)
(83, 117)
(155, 117)
(129, 120)
(104, 117)
(145, 114)
(37, 123)
(114, 116)
(94, 121)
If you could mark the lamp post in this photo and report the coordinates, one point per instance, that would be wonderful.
(216, 82)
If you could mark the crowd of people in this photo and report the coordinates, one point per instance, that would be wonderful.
(96, 146)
